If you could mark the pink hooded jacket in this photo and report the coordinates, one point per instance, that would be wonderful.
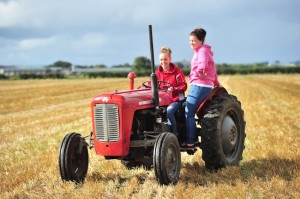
(202, 64)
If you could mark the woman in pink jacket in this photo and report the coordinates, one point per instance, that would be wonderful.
(202, 79)
(176, 84)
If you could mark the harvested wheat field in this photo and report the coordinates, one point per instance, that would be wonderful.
(35, 115)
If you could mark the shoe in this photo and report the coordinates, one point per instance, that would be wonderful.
(184, 144)
(187, 146)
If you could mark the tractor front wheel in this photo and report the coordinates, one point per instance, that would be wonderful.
(167, 158)
(73, 158)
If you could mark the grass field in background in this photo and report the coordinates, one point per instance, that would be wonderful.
(35, 115)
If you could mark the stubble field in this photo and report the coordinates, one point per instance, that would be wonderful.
(35, 115)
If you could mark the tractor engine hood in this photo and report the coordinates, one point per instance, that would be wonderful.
(132, 98)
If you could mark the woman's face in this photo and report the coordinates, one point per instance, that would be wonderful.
(165, 60)
(195, 43)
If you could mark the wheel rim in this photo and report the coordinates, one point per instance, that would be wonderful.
(78, 163)
(171, 161)
(229, 136)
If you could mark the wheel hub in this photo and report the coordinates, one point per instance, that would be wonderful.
(229, 135)
(171, 162)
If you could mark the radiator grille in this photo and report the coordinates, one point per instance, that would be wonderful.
(106, 118)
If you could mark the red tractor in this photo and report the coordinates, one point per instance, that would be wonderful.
(131, 126)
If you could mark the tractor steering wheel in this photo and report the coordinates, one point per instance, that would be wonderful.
(162, 85)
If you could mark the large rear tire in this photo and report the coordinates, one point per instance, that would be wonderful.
(73, 158)
(223, 132)
(167, 159)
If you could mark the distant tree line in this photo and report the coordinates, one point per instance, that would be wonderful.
(60, 64)
(41, 76)
(245, 69)
(142, 67)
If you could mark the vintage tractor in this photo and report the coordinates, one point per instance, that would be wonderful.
(131, 126)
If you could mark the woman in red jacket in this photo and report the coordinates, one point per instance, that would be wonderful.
(173, 75)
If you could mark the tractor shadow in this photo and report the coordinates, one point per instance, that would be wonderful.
(120, 174)
(117, 178)
(196, 173)
(262, 170)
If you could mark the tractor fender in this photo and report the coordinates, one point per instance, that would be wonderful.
(215, 91)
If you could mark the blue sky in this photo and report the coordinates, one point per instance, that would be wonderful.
(110, 32)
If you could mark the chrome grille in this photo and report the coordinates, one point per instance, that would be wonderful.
(106, 118)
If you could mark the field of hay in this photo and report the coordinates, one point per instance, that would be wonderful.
(35, 115)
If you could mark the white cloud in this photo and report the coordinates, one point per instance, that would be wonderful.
(37, 43)
(11, 14)
(90, 41)
(21, 13)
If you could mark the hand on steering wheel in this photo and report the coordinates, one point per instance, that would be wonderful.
(162, 85)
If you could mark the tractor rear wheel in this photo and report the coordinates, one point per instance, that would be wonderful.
(73, 158)
(167, 158)
(223, 132)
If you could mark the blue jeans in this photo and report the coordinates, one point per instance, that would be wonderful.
(171, 110)
(195, 96)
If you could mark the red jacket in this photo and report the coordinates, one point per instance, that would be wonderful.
(176, 78)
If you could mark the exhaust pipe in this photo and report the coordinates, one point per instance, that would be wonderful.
(153, 75)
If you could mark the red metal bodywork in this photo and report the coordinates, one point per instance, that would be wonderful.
(131, 76)
(128, 102)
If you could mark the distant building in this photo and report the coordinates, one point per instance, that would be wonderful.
(78, 70)
(275, 63)
(10, 71)
(65, 71)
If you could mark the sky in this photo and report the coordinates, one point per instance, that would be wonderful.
(113, 32)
